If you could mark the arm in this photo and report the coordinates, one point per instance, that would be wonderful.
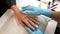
(23, 19)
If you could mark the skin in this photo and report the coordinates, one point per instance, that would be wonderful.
(56, 16)
(24, 19)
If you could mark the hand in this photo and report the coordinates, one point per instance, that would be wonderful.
(24, 19)
(35, 31)
(32, 10)
(27, 20)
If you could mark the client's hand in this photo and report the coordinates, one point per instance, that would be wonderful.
(28, 20)
(35, 31)
(24, 19)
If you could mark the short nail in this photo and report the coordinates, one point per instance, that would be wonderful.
(38, 23)
(36, 26)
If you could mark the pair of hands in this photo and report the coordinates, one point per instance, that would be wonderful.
(34, 12)
(55, 15)
(31, 21)
(34, 23)
(27, 21)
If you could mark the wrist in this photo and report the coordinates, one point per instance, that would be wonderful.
(16, 10)
(53, 14)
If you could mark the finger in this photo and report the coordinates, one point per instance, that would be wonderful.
(20, 22)
(27, 23)
(33, 17)
(32, 23)
(33, 20)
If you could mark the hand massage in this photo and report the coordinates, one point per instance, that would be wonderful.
(28, 16)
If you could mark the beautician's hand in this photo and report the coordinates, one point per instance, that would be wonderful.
(35, 31)
(30, 9)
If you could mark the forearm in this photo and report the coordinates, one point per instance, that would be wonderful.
(53, 15)
(46, 12)
(12, 4)
(16, 10)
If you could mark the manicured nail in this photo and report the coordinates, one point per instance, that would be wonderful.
(36, 26)
(38, 23)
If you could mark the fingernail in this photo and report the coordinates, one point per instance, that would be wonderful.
(38, 23)
(36, 26)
